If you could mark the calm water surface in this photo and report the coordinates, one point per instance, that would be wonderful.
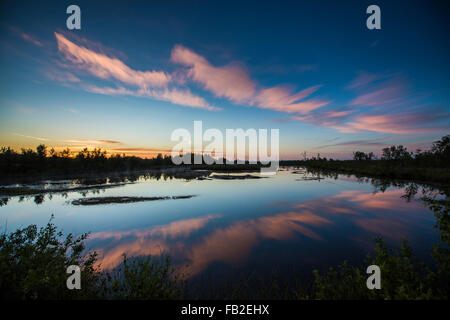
(231, 227)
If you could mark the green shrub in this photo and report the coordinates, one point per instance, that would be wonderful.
(33, 264)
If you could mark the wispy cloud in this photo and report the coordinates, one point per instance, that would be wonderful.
(234, 83)
(106, 67)
(26, 36)
(363, 78)
(230, 81)
(378, 89)
(29, 137)
(150, 84)
(384, 105)
(328, 118)
(109, 91)
(281, 99)
(176, 96)
(382, 102)
(418, 122)
(61, 76)
(390, 92)
(370, 142)
(88, 141)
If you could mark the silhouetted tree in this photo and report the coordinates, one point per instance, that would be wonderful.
(396, 153)
(359, 155)
(41, 151)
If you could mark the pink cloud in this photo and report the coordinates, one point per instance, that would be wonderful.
(229, 81)
(31, 39)
(88, 141)
(281, 99)
(175, 96)
(365, 78)
(61, 76)
(233, 82)
(178, 96)
(337, 114)
(26, 36)
(105, 67)
(346, 121)
(325, 118)
(110, 91)
(393, 123)
(374, 92)
(381, 96)
(150, 84)
(403, 118)
(141, 242)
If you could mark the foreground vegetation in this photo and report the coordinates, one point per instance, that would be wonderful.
(33, 266)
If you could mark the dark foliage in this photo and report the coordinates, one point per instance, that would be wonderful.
(396, 163)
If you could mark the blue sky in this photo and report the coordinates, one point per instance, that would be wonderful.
(135, 72)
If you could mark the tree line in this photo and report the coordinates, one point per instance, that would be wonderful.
(396, 162)
(42, 160)
(437, 155)
(48, 161)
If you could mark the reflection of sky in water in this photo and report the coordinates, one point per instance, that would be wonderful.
(239, 225)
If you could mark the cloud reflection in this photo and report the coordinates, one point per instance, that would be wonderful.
(367, 213)
(144, 242)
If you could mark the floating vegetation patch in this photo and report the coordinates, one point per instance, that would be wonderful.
(309, 179)
(204, 178)
(235, 177)
(107, 200)
(33, 190)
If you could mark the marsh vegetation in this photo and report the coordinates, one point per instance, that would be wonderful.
(396, 162)
(109, 200)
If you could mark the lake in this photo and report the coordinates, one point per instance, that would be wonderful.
(289, 223)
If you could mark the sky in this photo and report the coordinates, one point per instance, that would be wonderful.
(136, 71)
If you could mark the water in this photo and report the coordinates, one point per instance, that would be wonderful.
(231, 227)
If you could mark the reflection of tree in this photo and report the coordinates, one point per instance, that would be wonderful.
(441, 252)
(404, 277)
(96, 185)
(3, 202)
(382, 184)
(440, 208)
(38, 199)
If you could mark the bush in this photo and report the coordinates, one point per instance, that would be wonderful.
(144, 278)
(33, 265)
